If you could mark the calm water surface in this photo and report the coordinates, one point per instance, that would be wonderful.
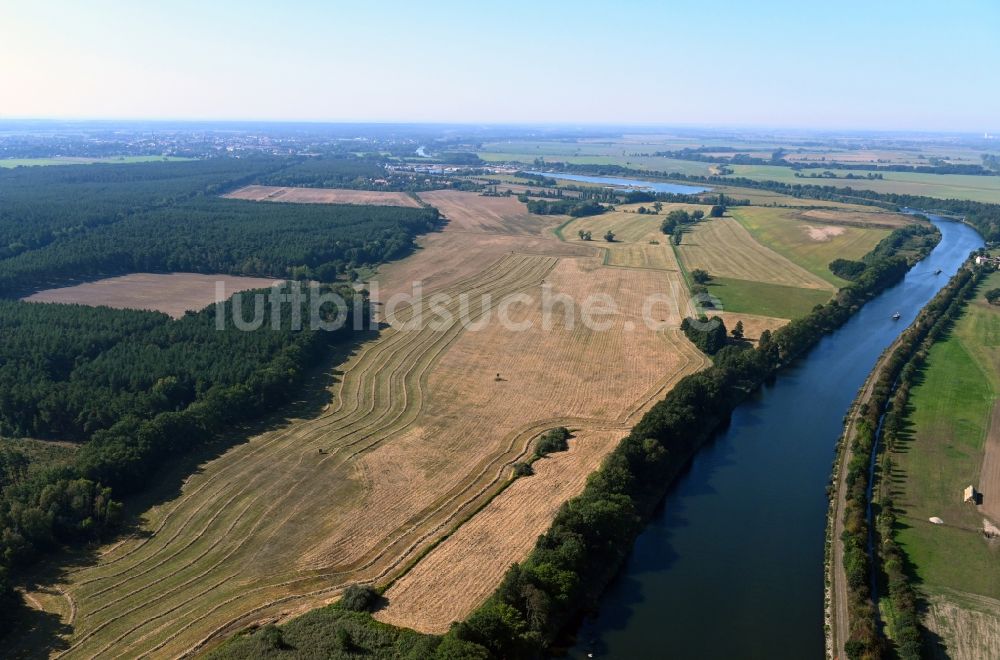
(653, 186)
(732, 566)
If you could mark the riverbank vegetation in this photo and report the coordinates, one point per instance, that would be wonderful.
(585, 545)
(136, 389)
(983, 214)
(61, 224)
(893, 384)
(939, 435)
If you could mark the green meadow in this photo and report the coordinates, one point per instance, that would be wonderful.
(948, 419)
(748, 297)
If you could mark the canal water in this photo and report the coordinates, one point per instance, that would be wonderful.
(653, 186)
(732, 564)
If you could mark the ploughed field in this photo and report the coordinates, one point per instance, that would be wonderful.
(417, 442)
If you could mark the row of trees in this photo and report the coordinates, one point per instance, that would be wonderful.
(212, 235)
(589, 537)
(572, 207)
(63, 223)
(983, 216)
(680, 217)
(135, 388)
(892, 387)
(138, 390)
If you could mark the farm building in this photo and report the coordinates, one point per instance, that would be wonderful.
(970, 495)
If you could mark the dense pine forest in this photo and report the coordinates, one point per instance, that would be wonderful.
(137, 389)
(66, 223)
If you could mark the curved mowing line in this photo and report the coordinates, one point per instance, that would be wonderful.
(376, 348)
(522, 267)
(199, 534)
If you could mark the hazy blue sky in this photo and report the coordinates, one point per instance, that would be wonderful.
(907, 65)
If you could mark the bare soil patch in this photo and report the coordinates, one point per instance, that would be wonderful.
(322, 196)
(170, 293)
(989, 476)
(724, 248)
(822, 233)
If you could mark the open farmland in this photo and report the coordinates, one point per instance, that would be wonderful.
(724, 248)
(813, 239)
(637, 255)
(479, 553)
(322, 196)
(951, 443)
(476, 213)
(418, 434)
(627, 225)
(170, 293)
(944, 186)
(765, 299)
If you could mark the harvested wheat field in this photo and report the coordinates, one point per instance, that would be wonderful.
(753, 324)
(469, 211)
(170, 293)
(638, 255)
(480, 552)
(419, 434)
(966, 625)
(626, 223)
(467, 243)
(322, 196)
(863, 218)
(724, 248)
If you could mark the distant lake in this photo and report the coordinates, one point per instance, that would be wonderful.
(652, 186)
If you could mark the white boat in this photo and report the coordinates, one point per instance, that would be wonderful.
(895, 317)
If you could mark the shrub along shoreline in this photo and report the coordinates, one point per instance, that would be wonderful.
(878, 423)
(592, 534)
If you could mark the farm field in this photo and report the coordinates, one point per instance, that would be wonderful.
(953, 422)
(170, 293)
(473, 212)
(724, 248)
(322, 196)
(771, 198)
(810, 238)
(479, 553)
(652, 163)
(766, 299)
(944, 186)
(418, 434)
(627, 225)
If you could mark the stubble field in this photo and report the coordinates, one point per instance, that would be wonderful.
(418, 435)
(322, 196)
